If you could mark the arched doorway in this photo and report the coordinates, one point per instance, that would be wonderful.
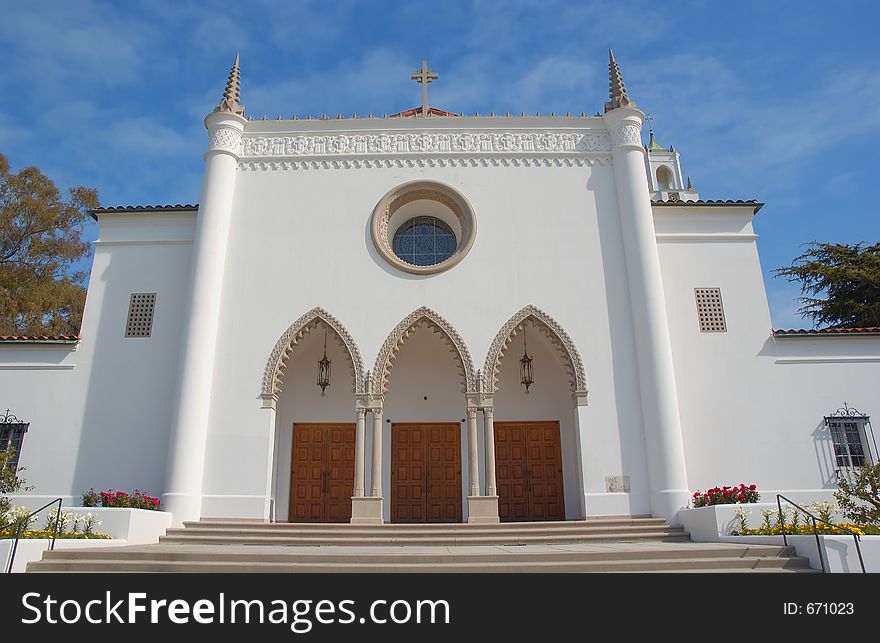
(537, 454)
(423, 372)
(314, 457)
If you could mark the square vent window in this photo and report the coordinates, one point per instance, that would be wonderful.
(710, 310)
(140, 314)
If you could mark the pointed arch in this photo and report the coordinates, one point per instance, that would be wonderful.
(553, 330)
(397, 337)
(286, 346)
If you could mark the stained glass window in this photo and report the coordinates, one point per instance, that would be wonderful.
(424, 241)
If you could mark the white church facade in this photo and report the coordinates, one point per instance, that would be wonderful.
(432, 317)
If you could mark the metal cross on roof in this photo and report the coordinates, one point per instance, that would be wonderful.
(424, 76)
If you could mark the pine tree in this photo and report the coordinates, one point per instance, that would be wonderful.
(40, 244)
(840, 284)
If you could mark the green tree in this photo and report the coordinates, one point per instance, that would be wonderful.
(859, 498)
(41, 243)
(840, 284)
(10, 482)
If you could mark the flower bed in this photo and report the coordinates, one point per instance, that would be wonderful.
(58, 525)
(120, 500)
(726, 496)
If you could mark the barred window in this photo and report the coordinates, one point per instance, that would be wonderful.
(12, 435)
(847, 435)
(710, 310)
(140, 314)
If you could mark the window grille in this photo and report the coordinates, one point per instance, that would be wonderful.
(140, 314)
(12, 432)
(710, 310)
(851, 437)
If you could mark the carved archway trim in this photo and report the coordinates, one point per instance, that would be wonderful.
(553, 330)
(286, 345)
(397, 337)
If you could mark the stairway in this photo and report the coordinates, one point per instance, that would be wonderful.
(612, 544)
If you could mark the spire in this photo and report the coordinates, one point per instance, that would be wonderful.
(617, 91)
(690, 186)
(232, 94)
(653, 145)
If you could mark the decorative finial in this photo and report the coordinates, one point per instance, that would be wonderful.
(232, 95)
(617, 91)
(690, 186)
(423, 77)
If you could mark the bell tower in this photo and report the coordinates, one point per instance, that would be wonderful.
(663, 166)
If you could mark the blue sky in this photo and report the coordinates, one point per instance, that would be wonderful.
(778, 101)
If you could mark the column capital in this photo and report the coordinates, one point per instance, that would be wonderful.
(625, 126)
(360, 411)
(269, 400)
(225, 131)
(472, 411)
(489, 411)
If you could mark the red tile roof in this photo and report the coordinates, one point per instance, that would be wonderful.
(57, 339)
(813, 332)
(416, 111)
(711, 202)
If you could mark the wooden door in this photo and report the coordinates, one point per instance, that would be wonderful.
(528, 469)
(425, 472)
(322, 473)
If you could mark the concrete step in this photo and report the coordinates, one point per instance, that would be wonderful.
(511, 539)
(408, 555)
(213, 523)
(352, 531)
(241, 532)
(609, 544)
(540, 566)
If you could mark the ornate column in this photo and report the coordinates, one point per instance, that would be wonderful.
(186, 452)
(481, 508)
(376, 471)
(663, 438)
(473, 454)
(367, 510)
(359, 453)
(489, 428)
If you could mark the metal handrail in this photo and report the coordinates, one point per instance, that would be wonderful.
(23, 522)
(780, 497)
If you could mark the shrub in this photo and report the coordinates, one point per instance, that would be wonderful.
(726, 496)
(859, 498)
(91, 498)
(120, 499)
(10, 482)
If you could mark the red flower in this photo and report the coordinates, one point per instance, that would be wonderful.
(753, 487)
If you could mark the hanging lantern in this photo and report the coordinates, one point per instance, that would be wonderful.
(324, 369)
(525, 366)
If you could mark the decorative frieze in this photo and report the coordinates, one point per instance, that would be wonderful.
(420, 162)
(425, 143)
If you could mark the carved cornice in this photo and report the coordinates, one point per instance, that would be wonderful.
(429, 162)
(397, 337)
(286, 345)
(382, 144)
(552, 330)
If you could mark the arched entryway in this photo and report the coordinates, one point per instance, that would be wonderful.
(314, 455)
(423, 373)
(537, 454)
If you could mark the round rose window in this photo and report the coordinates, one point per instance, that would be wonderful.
(424, 241)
